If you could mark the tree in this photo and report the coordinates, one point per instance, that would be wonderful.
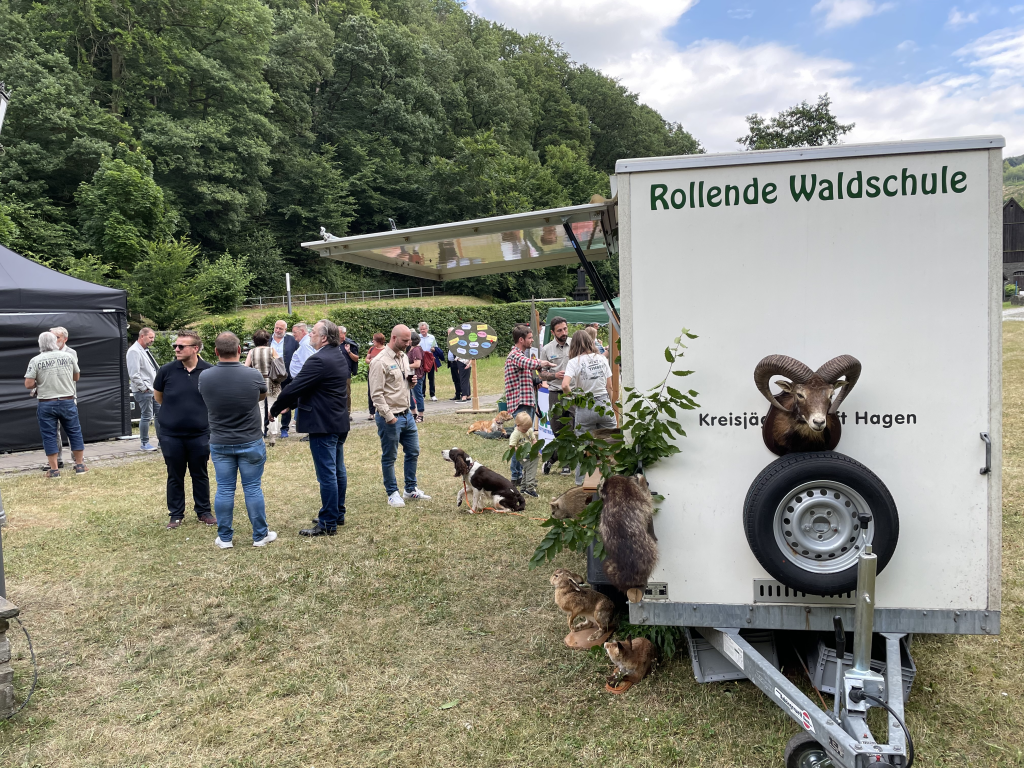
(256, 122)
(160, 288)
(122, 208)
(222, 284)
(801, 126)
(8, 229)
(89, 267)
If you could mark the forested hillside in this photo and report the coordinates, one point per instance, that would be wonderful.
(1013, 178)
(189, 146)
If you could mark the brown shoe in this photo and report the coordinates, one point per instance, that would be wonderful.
(175, 523)
(208, 519)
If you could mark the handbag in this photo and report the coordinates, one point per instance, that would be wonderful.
(276, 371)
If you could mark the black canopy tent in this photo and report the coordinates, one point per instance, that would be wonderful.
(34, 299)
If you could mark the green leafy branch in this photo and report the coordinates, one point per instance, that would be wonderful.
(649, 428)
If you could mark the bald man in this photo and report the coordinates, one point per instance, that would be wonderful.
(390, 379)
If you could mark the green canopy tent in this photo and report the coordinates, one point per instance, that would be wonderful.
(590, 313)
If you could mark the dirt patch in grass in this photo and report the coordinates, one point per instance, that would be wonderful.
(414, 637)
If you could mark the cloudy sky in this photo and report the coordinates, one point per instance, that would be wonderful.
(900, 69)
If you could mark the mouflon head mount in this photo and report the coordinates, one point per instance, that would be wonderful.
(803, 416)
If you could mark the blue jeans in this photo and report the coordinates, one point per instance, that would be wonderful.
(416, 397)
(247, 460)
(149, 411)
(52, 413)
(329, 460)
(402, 431)
(516, 467)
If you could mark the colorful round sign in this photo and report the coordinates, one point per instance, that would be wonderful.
(472, 341)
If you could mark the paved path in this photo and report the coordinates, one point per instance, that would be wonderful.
(1014, 313)
(128, 450)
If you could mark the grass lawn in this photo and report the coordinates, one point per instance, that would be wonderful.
(416, 637)
(490, 376)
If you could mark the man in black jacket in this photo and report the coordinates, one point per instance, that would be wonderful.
(320, 395)
(285, 347)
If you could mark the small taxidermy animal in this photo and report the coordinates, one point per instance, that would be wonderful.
(632, 658)
(489, 425)
(627, 530)
(576, 600)
(485, 484)
(571, 503)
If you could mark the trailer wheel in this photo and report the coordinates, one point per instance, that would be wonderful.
(808, 516)
(803, 751)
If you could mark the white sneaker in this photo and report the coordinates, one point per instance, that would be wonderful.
(415, 494)
(223, 544)
(271, 536)
(433, 398)
(395, 500)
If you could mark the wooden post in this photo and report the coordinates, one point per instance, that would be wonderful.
(475, 404)
(476, 391)
(613, 352)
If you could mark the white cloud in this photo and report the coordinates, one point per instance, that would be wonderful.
(1016, 8)
(1000, 52)
(587, 27)
(957, 19)
(710, 85)
(907, 46)
(840, 13)
(740, 13)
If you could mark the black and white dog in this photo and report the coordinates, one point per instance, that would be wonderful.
(484, 483)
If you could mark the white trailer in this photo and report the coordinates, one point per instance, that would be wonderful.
(890, 253)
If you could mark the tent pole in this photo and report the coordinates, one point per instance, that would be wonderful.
(613, 353)
(602, 292)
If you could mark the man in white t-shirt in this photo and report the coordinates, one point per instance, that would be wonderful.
(589, 372)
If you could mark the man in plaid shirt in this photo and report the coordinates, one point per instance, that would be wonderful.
(519, 393)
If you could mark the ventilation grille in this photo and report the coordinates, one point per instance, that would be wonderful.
(772, 591)
(656, 590)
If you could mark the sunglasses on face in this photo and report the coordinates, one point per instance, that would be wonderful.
(182, 346)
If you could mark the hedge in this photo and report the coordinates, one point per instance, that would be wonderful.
(362, 322)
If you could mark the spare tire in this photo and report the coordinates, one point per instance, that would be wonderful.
(803, 518)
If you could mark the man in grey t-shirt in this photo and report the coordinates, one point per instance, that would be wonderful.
(53, 373)
(232, 393)
(557, 351)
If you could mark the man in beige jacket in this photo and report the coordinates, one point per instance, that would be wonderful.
(390, 378)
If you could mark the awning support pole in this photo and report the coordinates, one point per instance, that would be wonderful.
(595, 279)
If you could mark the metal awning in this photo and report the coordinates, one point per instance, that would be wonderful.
(480, 247)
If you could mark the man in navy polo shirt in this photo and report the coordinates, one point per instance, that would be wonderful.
(184, 429)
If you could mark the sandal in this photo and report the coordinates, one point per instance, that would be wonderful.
(52, 473)
(81, 469)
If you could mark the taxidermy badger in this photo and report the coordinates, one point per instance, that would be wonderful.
(627, 529)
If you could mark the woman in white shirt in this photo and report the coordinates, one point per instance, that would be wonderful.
(588, 371)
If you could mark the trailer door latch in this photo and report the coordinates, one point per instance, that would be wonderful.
(988, 453)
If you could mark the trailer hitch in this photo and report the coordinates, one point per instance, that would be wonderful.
(841, 738)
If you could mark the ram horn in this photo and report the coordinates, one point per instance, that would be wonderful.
(836, 368)
(781, 365)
